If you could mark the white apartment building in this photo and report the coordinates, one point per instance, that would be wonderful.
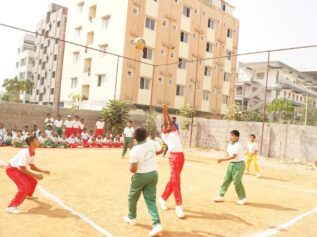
(49, 56)
(284, 82)
(25, 62)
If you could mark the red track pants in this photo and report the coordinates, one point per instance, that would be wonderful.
(99, 132)
(176, 161)
(26, 185)
(68, 132)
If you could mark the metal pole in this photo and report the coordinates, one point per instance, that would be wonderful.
(194, 102)
(115, 85)
(265, 99)
(152, 86)
(306, 110)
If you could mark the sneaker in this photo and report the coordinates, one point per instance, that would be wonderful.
(12, 210)
(242, 201)
(129, 221)
(32, 197)
(156, 231)
(163, 204)
(259, 175)
(179, 212)
(219, 199)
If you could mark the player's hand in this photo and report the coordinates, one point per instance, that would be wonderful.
(220, 160)
(46, 172)
(39, 176)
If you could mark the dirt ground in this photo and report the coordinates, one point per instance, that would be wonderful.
(95, 183)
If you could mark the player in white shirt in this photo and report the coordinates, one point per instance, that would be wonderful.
(25, 180)
(171, 137)
(49, 131)
(143, 166)
(85, 137)
(68, 124)
(81, 125)
(100, 126)
(235, 169)
(252, 155)
(73, 141)
(3, 131)
(128, 138)
(48, 120)
(76, 126)
(58, 124)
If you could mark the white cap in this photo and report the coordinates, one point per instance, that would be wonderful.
(69, 116)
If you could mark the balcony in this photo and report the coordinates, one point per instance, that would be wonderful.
(287, 84)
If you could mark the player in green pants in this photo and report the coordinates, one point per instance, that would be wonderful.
(144, 180)
(128, 138)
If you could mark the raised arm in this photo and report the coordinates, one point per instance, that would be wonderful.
(168, 123)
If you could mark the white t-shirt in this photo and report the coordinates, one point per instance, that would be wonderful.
(49, 121)
(49, 133)
(68, 124)
(3, 132)
(81, 125)
(235, 149)
(252, 147)
(84, 136)
(100, 125)
(58, 123)
(144, 155)
(128, 131)
(76, 124)
(42, 140)
(72, 140)
(23, 158)
(173, 141)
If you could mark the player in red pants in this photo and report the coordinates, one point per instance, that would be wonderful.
(24, 179)
(176, 160)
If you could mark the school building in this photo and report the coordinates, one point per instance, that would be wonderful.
(176, 31)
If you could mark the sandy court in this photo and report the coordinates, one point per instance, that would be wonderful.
(95, 183)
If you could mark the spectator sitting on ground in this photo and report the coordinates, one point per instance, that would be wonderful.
(7, 139)
(49, 131)
(18, 141)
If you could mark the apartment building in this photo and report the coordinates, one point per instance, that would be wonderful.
(49, 56)
(176, 31)
(25, 62)
(284, 82)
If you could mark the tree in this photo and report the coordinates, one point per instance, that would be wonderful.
(233, 113)
(116, 115)
(311, 112)
(281, 110)
(150, 122)
(75, 100)
(14, 88)
(252, 116)
(187, 113)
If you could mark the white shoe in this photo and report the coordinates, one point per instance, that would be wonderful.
(12, 210)
(219, 199)
(242, 201)
(32, 197)
(163, 204)
(179, 212)
(259, 175)
(156, 231)
(129, 221)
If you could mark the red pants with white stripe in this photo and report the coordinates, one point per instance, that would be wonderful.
(75, 131)
(68, 132)
(26, 185)
(99, 132)
(176, 161)
(74, 145)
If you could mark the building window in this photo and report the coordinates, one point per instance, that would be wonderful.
(207, 71)
(58, 24)
(37, 92)
(80, 7)
(73, 83)
(43, 65)
(92, 12)
(78, 32)
(105, 22)
(75, 57)
(103, 48)
(229, 33)
(179, 90)
(206, 95)
(41, 97)
(223, 7)
(260, 76)
(135, 11)
(53, 74)
(55, 57)
(90, 38)
(184, 37)
(211, 24)
(22, 75)
(160, 80)
(209, 47)
(186, 11)
(228, 54)
(162, 51)
(147, 53)
(150, 23)
(225, 99)
(52, 91)
(182, 63)
(42, 81)
(227, 77)
(29, 75)
(144, 83)
(172, 54)
(164, 23)
(100, 80)
(130, 73)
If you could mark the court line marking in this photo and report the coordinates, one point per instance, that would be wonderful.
(281, 227)
(256, 180)
(69, 209)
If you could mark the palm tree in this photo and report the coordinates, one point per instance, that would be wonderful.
(15, 87)
(116, 115)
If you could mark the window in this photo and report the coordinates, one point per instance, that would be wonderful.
(170, 82)
(103, 48)
(228, 55)
(162, 51)
(105, 22)
(130, 73)
(260, 75)
(73, 83)
(172, 54)
(78, 32)
(206, 95)
(225, 99)
(42, 81)
(55, 57)
(207, 72)
(227, 77)
(100, 80)
(164, 23)
(22, 75)
(135, 11)
(147, 53)
(209, 47)
(41, 97)
(37, 92)
(23, 62)
(75, 57)
(53, 74)
(223, 7)
(58, 24)
(150, 23)
(179, 90)
(90, 38)
(144, 83)
(160, 80)
(184, 37)
(239, 90)
(92, 12)
(181, 63)
(80, 7)
(52, 91)
(186, 11)
(43, 65)
(229, 33)
(211, 24)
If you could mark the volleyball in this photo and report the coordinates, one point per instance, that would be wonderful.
(139, 43)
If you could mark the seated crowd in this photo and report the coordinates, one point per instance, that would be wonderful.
(62, 134)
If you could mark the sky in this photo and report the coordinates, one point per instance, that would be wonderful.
(264, 24)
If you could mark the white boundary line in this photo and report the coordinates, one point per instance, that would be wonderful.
(69, 209)
(279, 228)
